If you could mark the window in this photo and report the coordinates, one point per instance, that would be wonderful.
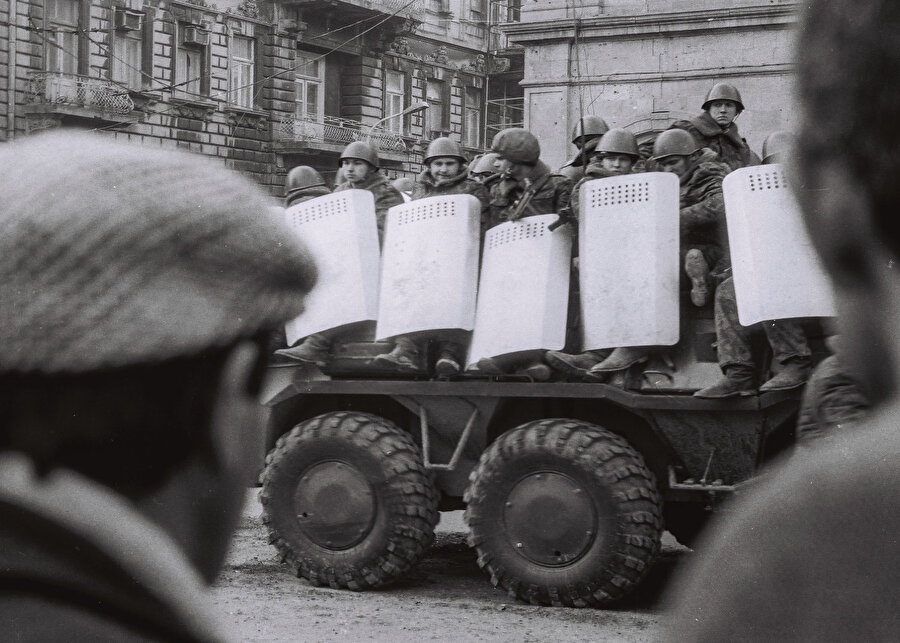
(395, 99)
(477, 10)
(242, 67)
(62, 48)
(126, 59)
(435, 114)
(472, 117)
(308, 79)
(192, 62)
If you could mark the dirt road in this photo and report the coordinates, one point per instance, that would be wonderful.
(445, 598)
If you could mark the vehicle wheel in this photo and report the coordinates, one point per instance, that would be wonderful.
(563, 513)
(347, 500)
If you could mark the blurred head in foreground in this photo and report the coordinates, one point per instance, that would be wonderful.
(138, 287)
(811, 553)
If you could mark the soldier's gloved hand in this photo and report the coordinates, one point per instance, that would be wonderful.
(512, 215)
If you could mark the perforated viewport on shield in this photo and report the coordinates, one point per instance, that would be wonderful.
(777, 273)
(342, 236)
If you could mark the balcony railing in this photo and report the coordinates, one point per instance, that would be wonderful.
(339, 131)
(57, 88)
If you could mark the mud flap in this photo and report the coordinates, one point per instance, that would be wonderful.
(777, 274)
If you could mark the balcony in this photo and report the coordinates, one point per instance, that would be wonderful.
(352, 9)
(62, 94)
(334, 134)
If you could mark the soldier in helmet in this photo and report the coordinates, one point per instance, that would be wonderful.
(715, 127)
(702, 225)
(526, 188)
(359, 165)
(585, 134)
(445, 174)
(303, 183)
(615, 154)
(484, 169)
(785, 336)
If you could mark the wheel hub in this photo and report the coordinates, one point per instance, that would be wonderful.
(550, 519)
(334, 504)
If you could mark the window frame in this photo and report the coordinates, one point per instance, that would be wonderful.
(303, 81)
(74, 49)
(234, 63)
(396, 125)
(478, 111)
(179, 76)
(430, 112)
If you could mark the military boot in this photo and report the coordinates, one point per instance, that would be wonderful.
(698, 270)
(405, 357)
(537, 371)
(793, 374)
(738, 381)
(315, 349)
(620, 359)
(448, 362)
(574, 365)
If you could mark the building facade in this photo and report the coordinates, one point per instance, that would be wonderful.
(263, 86)
(643, 64)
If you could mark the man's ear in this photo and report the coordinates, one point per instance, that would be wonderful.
(237, 422)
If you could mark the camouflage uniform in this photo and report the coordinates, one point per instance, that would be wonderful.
(552, 196)
(785, 336)
(702, 215)
(728, 144)
(386, 196)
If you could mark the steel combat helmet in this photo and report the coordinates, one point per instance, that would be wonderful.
(362, 152)
(724, 91)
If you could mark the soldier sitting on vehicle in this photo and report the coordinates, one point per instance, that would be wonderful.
(484, 169)
(615, 154)
(715, 127)
(526, 188)
(588, 129)
(785, 336)
(702, 226)
(303, 183)
(404, 186)
(445, 174)
(359, 165)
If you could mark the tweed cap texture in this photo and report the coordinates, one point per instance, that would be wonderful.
(114, 254)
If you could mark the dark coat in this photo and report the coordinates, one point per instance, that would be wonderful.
(552, 196)
(79, 563)
(702, 220)
(386, 196)
(731, 148)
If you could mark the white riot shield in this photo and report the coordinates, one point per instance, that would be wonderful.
(628, 260)
(777, 274)
(341, 234)
(429, 268)
(524, 288)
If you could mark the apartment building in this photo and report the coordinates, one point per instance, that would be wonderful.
(263, 86)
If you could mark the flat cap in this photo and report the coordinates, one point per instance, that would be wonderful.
(114, 254)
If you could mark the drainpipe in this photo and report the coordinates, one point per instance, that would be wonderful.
(12, 78)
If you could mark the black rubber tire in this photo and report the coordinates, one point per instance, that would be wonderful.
(400, 527)
(621, 496)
